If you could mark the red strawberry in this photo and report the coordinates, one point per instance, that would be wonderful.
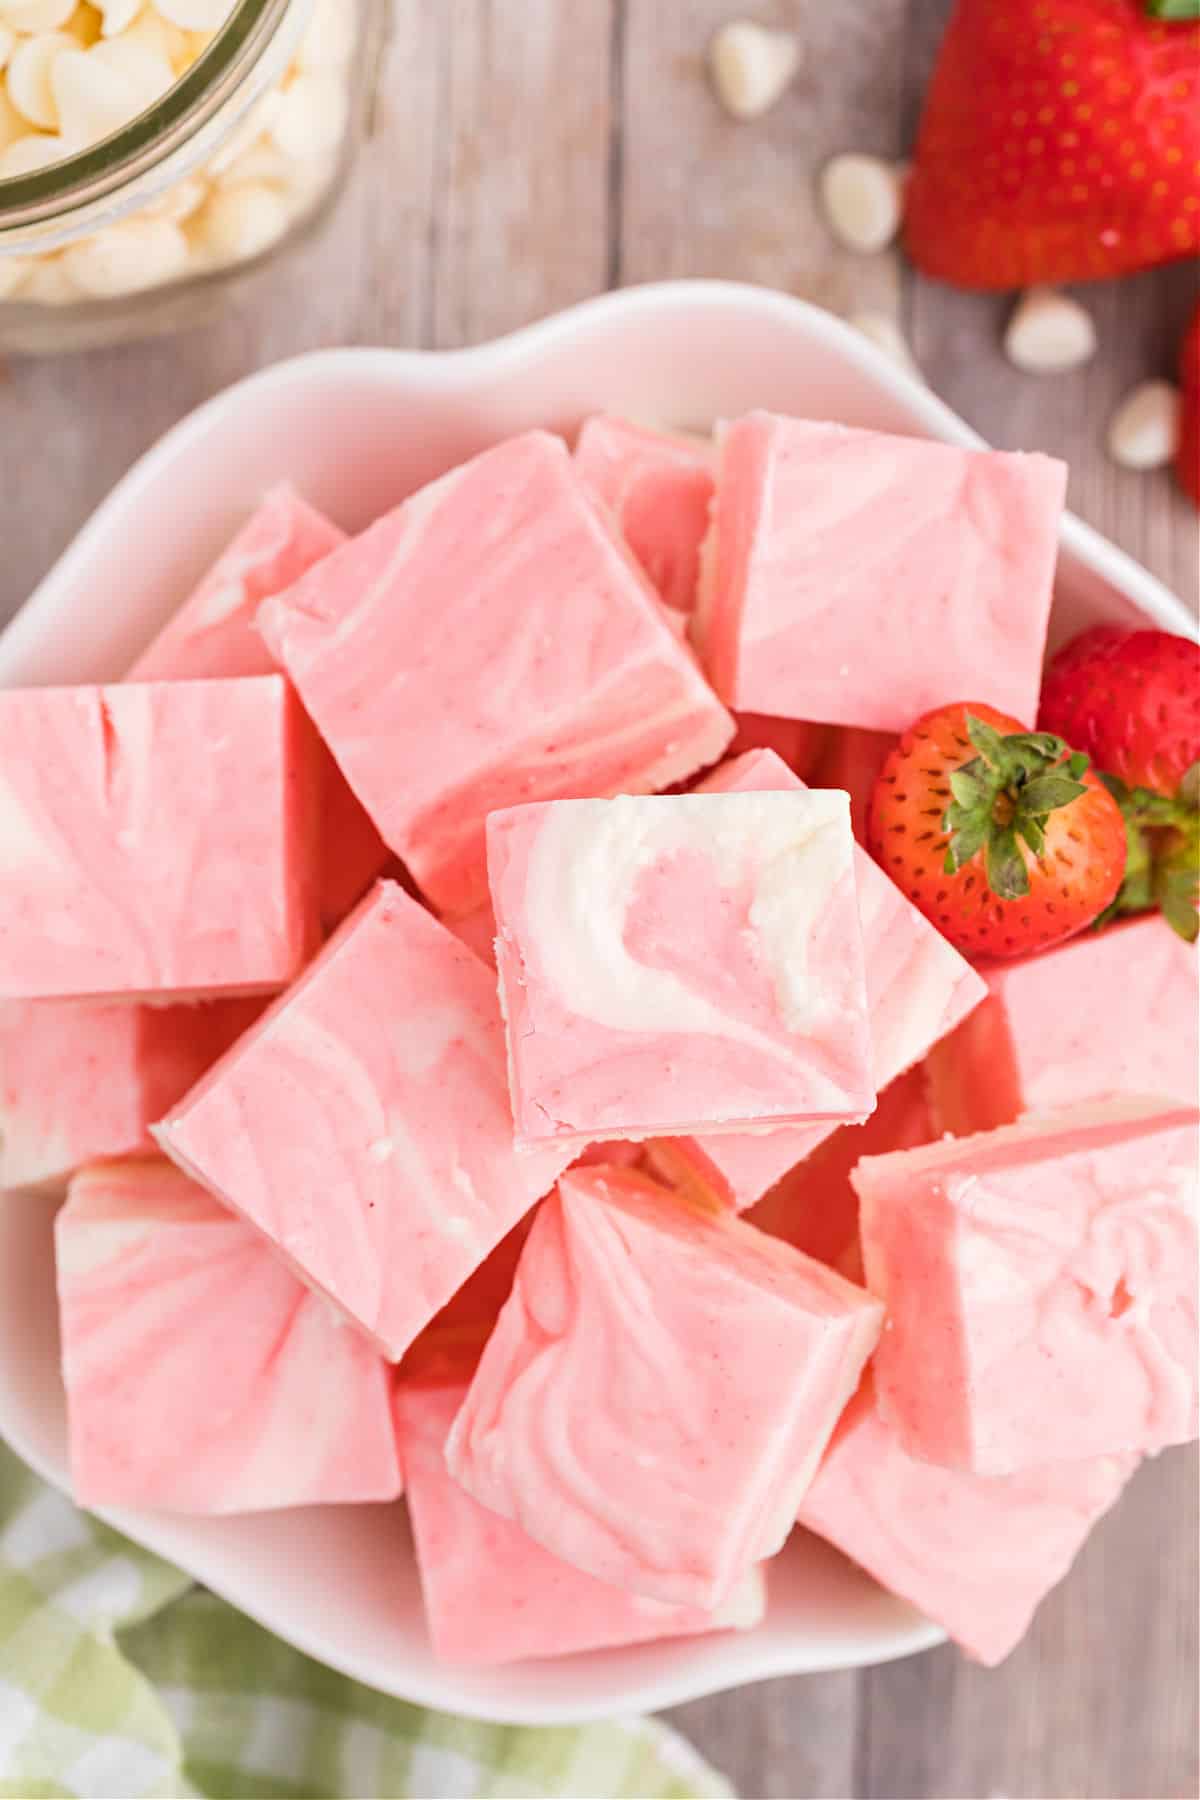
(1004, 838)
(1131, 699)
(1060, 142)
(1187, 457)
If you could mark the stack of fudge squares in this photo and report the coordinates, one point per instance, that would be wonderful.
(485, 1063)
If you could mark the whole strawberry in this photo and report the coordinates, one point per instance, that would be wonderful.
(1059, 142)
(1002, 837)
(1187, 457)
(1131, 699)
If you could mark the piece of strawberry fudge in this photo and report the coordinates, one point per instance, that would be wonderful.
(977, 1553)
(213, 635)
(857, 578)
(670, 960)
(201, 1376)
(658, 488)
(493, 1595)
(814, 1206)
(82, 1080)
(156, 840)
(658, 1391)
(363, 1124)
(1040, 1284)
(918, 988)
(1108, 1012)
(491, 641)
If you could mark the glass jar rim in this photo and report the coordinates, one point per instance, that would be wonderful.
(136, 148)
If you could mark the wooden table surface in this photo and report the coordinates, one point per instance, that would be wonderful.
(525, 154)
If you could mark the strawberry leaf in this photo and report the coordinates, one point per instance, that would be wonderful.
(965, 843)
(1045, 793)
(1007, 875)
(987, 741)
(1173, 10)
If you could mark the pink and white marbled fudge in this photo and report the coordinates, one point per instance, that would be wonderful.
(974, 1552)
(1040, 1285)
(363, 1123)
(918, 988)
(488, 642)
(155, 840)
(658, 488)
(493, 1595)
(861, 579)
(1109, 1012)
(201, 1376)
(681, 959)
(658, 1391)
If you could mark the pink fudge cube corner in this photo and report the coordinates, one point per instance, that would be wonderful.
(364, 1125)
(493, 1595)
(82, 1080)
(857, 578)
(1109, 1012)
(977, 1553)
(659, 1389)
(658, 488)
(918, 988)
(156, 840)
(201, 1376)
(213, 635)
(488, 642)
(673, 961)
(1040, 1283)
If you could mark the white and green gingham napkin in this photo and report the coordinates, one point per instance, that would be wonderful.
(119, 1678)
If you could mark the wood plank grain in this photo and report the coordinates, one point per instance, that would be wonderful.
(781, 1740)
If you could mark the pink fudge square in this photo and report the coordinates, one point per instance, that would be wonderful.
(629, 1412)
(155, 840)
(860, 579)
(492, 1595)
(658, 488)
(814, 1207)
(213, 635)
(81, 1080)
(673, 959)
(974, 1552)
(1040, 1282)
(1109, 1012)
(491, 641)
(201, 1376)
(918, 988)
(363, 1124)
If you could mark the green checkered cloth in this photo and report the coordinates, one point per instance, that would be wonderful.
(119, 1678)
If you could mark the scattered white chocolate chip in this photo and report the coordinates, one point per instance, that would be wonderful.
(30, 16)
(1143, 433)
(97, 91)
(117, 15)
(863, 198)
(166, 40)
(751, 66)
(887, 336)
(1049, 333)
(241, 222)
(28, 77)
(8, 39)
(196, 15)
(127, 258)
(312, 115)
(29, 154)
(13, 125)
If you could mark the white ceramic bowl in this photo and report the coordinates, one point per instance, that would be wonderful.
(357, 430)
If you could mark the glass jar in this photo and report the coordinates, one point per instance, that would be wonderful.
(241, 152)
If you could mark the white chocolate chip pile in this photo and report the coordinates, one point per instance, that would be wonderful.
(74, 71)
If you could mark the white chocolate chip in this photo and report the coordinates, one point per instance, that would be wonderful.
(328, 41)
(887, 336)
(13, 125)
(241, 222)
(196, 15)
(8, 39)
(1143, 433)
(126, 258)
(117, 15)
(165, 39)
(31, 16)
(29, 85)
(97, 91)
(261, 162)
(13, 271)
(312, 115)
(864, 199)
(1049, 333)
(751, 66)
(254, 127)
(31, 153)
(179, 202)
